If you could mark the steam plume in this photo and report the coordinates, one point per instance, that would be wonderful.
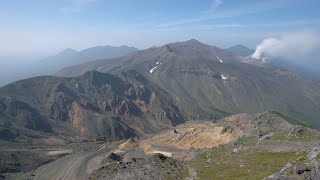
(293, 46)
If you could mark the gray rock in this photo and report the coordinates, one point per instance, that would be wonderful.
(301, 168)
(313, 153)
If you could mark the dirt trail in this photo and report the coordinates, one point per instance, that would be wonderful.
(74, 166)
(68, 167)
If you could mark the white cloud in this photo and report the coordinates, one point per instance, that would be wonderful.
(218, 26)
(214, 6)
(76, 6)
(213, 14)
(278, 24)
(299, 22)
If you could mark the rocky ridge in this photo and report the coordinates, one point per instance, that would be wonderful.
(95, 106)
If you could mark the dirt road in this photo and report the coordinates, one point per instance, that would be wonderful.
(75, 166)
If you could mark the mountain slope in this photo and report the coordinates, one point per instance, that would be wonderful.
(94, 105)
(209, 82)
(308, 68)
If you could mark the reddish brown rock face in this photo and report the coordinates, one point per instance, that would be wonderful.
(96, 105)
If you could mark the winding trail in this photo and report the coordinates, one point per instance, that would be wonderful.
(73, 166)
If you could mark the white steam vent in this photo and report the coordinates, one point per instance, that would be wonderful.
(293, 46)
(265, 46)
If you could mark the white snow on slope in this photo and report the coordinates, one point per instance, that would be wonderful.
(223, 77)
(151, 70)
(219, 59)
(99, 68)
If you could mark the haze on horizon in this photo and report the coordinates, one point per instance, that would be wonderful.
(40, 28)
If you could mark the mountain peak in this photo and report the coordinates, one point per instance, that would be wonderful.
(69, 51)
(193, 41)
(240, 50)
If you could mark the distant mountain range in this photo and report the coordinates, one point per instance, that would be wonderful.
(209, 82)
(71, 57)
(52, 64)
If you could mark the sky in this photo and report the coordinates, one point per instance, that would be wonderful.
(44, 27)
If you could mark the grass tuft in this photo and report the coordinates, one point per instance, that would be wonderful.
(248, 164)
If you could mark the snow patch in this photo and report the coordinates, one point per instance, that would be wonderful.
(99, 68)
(219, 59)
(157, 63)
(223, 77)
(151, 70)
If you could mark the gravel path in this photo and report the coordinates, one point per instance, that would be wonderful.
(72, 166)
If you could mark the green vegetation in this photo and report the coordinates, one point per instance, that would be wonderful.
(176, 170)
(182, 174)
(242, 141)
(221, 163)
(291, 120)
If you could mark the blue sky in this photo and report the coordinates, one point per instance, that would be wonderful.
(47, 26)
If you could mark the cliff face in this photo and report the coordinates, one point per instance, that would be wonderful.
(95, 105)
